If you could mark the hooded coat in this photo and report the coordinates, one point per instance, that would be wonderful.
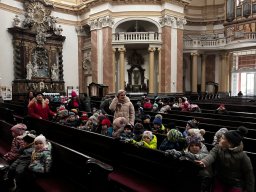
(123, 109)
(233, 167)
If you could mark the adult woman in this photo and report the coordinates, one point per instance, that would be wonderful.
(123, 107)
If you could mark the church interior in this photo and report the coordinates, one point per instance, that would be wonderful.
(164, 66)
(171, 47)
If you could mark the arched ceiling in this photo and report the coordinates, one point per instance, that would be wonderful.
(200, 12)
(205, 11)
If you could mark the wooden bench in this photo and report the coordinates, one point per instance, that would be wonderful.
(71, 170)
(5, 137)
(140, 166)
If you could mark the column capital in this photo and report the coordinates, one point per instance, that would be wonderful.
(174, 22)
(151, 49)
(101, 22)
(194, 54)
(121, 49)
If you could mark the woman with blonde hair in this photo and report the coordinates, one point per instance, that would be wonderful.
(123, 107)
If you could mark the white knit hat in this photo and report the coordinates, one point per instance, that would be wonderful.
(41, 138)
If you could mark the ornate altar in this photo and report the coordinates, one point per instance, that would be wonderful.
(37, 51)
(136, 75)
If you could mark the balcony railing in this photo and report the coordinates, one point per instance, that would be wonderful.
(219, 42)
(189, 43)
(136, 37)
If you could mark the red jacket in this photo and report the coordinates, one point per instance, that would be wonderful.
(39, 110)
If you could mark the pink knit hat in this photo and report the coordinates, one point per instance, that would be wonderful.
(73, 94)
(19, 128)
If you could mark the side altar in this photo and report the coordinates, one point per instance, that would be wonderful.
(37, 51)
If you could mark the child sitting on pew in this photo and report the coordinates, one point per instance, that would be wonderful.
(106, 128)
(221, 109)
(17, 169)
(195, 150)
(193, 123)
(234, 171)
(174, 140)
(17, 130)
(118, 126)
(127, 133)
(41, 159)
(149, 140)
(158, 126)
(218, 135)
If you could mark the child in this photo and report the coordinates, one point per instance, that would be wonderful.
(148, 140)
(158, 127)
(190, 124)
(221, 109)
(196, 150)
(18, 167)
(106, 128)
(127, 133)
(234, 171)
(138, 131)
(118, 126)
(174, 140)
(17, 130)
(41, 159)
(218, 135)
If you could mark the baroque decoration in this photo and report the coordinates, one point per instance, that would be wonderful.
(38, 63)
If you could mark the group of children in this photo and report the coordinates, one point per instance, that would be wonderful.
(29, 157)
(232, 168)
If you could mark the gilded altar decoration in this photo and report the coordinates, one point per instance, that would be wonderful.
(38, 45)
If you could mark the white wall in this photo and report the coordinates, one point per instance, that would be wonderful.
(6, 53)
(70, 56)
(70, 47)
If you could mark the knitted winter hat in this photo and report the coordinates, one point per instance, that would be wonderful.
(84, 116)
(138, 128)
(19, 128)
(119, 122)
(218, 135)
(128, 126)
(197, 133)
(147, 134)
(159, 116)
(236, 136)
(193, 123)
(106, 122)
(42, 139)
(29, 136)
(157, 121)
(194, 140)
(155, 105)
(174, 135)
(73, 94)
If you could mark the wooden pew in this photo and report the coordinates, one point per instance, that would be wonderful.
(249, 108)
(215, 116)
(5, 137)
(131, 164)
(71, 170)
(93, 144)
(206, 123)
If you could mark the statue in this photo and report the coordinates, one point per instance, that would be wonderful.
(29, 70)
(136, 77)
(54, 72)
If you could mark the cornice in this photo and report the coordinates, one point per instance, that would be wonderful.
(10, 8)
(86, 5)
